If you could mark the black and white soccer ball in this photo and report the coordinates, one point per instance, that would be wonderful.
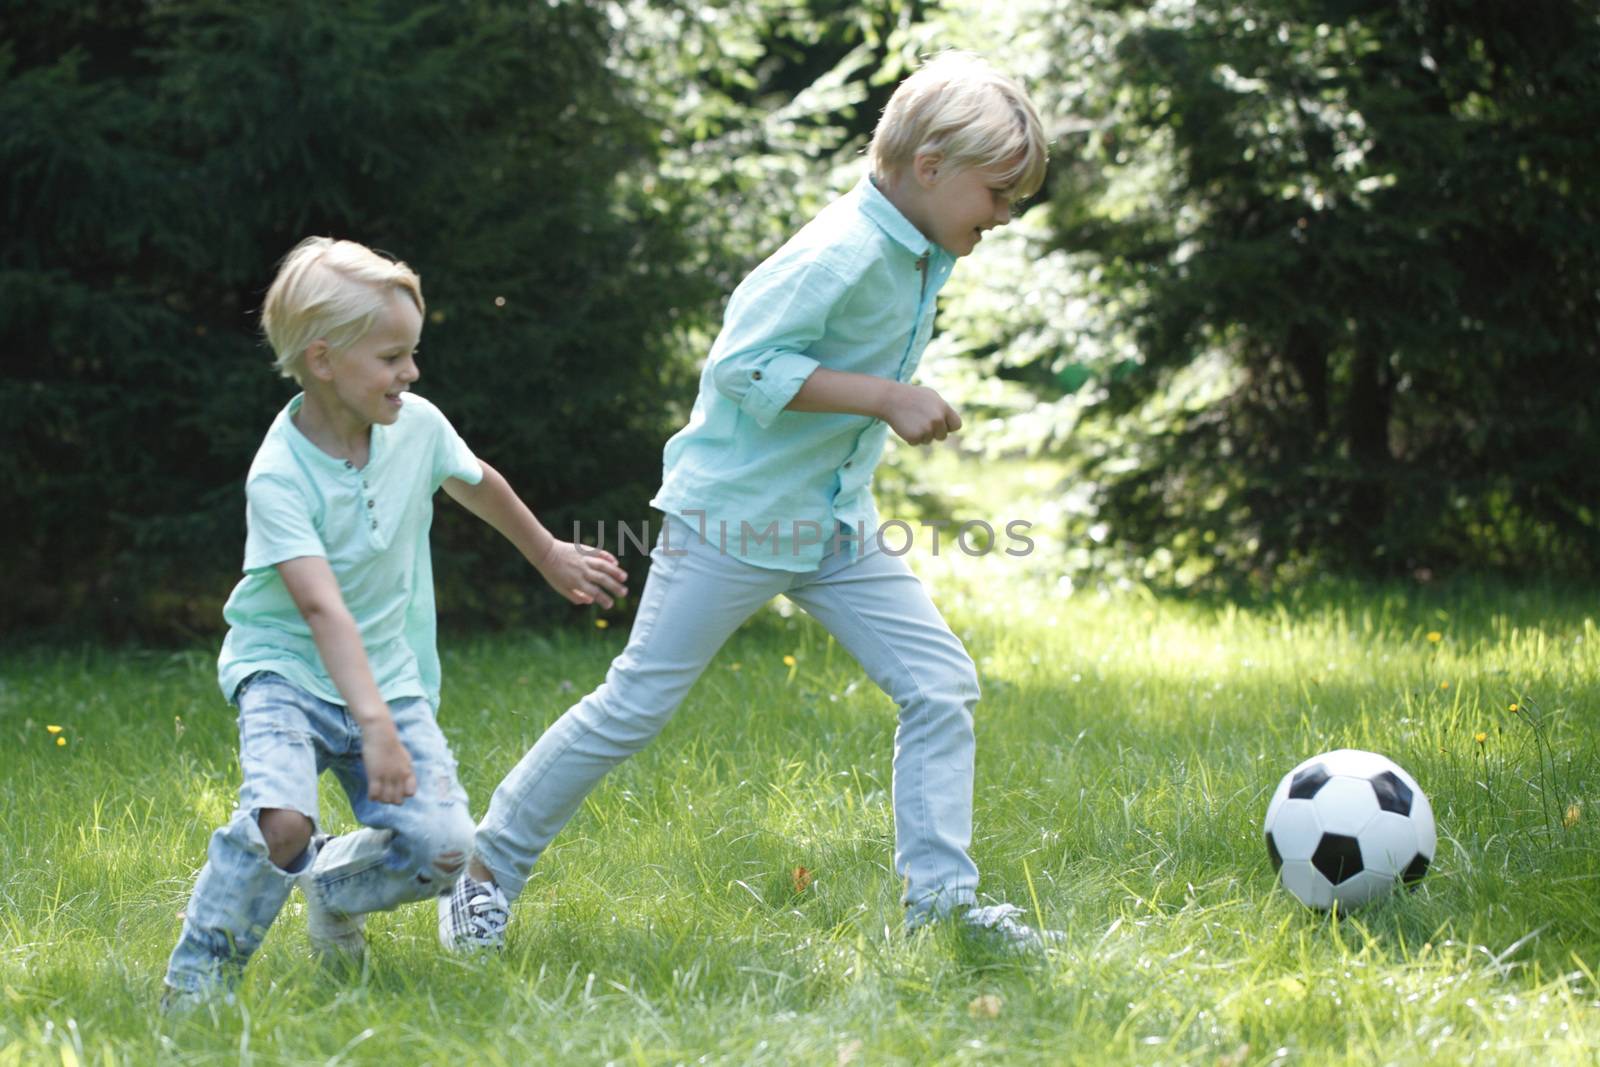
(1348, 826)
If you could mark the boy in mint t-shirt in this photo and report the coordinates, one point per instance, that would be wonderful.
(330, 652)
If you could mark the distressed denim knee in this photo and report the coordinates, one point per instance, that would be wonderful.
(287, 835)
(443, 845)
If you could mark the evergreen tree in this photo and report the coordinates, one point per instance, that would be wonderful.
(1363, 296)
(159, 159)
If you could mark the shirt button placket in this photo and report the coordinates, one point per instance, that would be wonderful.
(365, 488)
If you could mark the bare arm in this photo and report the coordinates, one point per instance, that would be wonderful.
(582, 575)
(918, 414)
(310, 581)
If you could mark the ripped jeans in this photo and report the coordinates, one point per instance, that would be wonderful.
(410, 851)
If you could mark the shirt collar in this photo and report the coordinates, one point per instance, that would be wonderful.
(302, 445)
(879, 208)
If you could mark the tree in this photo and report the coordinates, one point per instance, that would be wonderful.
(1354, 245)
(158, 159)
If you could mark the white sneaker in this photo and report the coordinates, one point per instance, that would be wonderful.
(1002, 922)
(335, 937)
(473, 916)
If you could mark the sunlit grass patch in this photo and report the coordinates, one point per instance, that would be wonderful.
(1127, 748)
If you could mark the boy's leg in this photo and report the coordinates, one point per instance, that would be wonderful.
(407, 851)
(694, 598)
(880, 612)
(240, 890)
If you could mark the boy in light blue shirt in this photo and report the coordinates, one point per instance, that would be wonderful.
(767, 491)
(850, 294)
(330, 652)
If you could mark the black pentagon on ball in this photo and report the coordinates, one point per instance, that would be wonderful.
(1414, 871)
(1308, 781)
(1338, 857)
(1393, 794)
(1272, 852)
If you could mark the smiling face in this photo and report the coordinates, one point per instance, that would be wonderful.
(954, 206)
(362, 383)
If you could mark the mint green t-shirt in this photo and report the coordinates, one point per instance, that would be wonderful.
(371, 525)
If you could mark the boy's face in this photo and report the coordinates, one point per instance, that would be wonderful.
(369, 376)
(959, 205)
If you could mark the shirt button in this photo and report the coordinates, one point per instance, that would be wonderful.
(348, 465)
(374, 524)
(848, 464)
(369, 503)
(755, 375)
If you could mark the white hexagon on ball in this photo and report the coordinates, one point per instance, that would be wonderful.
(1345, 805)
(1346, 827)
(1388, 843)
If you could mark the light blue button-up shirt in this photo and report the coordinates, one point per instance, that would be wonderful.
(854, 291)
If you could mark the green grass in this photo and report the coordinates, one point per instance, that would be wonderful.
(1127, 748)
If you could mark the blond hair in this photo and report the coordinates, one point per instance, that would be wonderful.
(968, 113)
(332, 291)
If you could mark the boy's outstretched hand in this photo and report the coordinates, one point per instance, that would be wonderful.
(390, 777)
(920, 415)
(583, 575)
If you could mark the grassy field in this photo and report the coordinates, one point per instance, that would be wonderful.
(1127, 748)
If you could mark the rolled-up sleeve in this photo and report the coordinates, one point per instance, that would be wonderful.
(776, 315)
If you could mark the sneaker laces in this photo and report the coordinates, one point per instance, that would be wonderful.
(486, 912)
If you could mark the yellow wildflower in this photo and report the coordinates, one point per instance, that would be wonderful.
(53, 729)
(788, 661)
(1480, 737)
(1574, 813)
(1435, 636)
(61, 740)
(1444, 685)
(601, 624)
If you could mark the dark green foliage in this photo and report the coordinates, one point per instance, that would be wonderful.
(1378, 235)
(159, 159)
(1323, 296)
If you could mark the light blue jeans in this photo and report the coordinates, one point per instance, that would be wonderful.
(287, 738)
(694, 599)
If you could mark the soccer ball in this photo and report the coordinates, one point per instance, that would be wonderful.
(1345, 826)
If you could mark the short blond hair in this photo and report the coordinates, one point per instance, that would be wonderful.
(958, 106)
(329, 290)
